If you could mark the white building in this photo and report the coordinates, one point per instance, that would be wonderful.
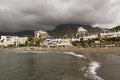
(41, 34)
(93, 36)
(12, 40)
(81, 32)
(103, 35)
(110, 34)
(57, 42)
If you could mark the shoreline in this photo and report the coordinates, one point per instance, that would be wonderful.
(103, 50)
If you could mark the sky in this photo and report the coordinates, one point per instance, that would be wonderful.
(18, 15)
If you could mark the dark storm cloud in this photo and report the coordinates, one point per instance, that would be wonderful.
(16, 15)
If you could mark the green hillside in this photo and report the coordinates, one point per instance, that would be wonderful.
(116, 28)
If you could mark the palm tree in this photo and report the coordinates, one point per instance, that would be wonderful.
(30, 41)
(82, 42)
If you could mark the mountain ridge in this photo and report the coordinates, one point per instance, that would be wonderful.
(60, 30)
(67, 29)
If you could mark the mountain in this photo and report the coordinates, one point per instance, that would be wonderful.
(59, 31)
(21, 33)
(71, 29)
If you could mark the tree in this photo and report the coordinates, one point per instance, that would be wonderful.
(75, 43)
(30, 41)
(38, 41)
(82, 42)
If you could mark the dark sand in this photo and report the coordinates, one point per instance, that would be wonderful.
(104, 50)
(107, 50)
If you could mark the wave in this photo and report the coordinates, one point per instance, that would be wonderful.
(90, 71)
(76, 55)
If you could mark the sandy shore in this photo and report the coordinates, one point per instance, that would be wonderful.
(107, 50)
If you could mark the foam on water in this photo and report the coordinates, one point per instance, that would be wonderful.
(76, 55)
(91, 70)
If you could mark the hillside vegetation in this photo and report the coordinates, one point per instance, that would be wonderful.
(116, 28)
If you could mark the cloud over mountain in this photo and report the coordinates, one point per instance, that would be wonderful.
(16, 15)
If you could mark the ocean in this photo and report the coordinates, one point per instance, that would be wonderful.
(58, 66)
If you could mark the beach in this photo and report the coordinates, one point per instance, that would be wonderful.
(102, 50)
(109, 50)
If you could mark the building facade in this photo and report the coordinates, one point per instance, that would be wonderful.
(41, 34)
(57, 43)
(81, 32)
(12, 40)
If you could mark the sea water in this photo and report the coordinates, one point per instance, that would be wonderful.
(58, 66)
